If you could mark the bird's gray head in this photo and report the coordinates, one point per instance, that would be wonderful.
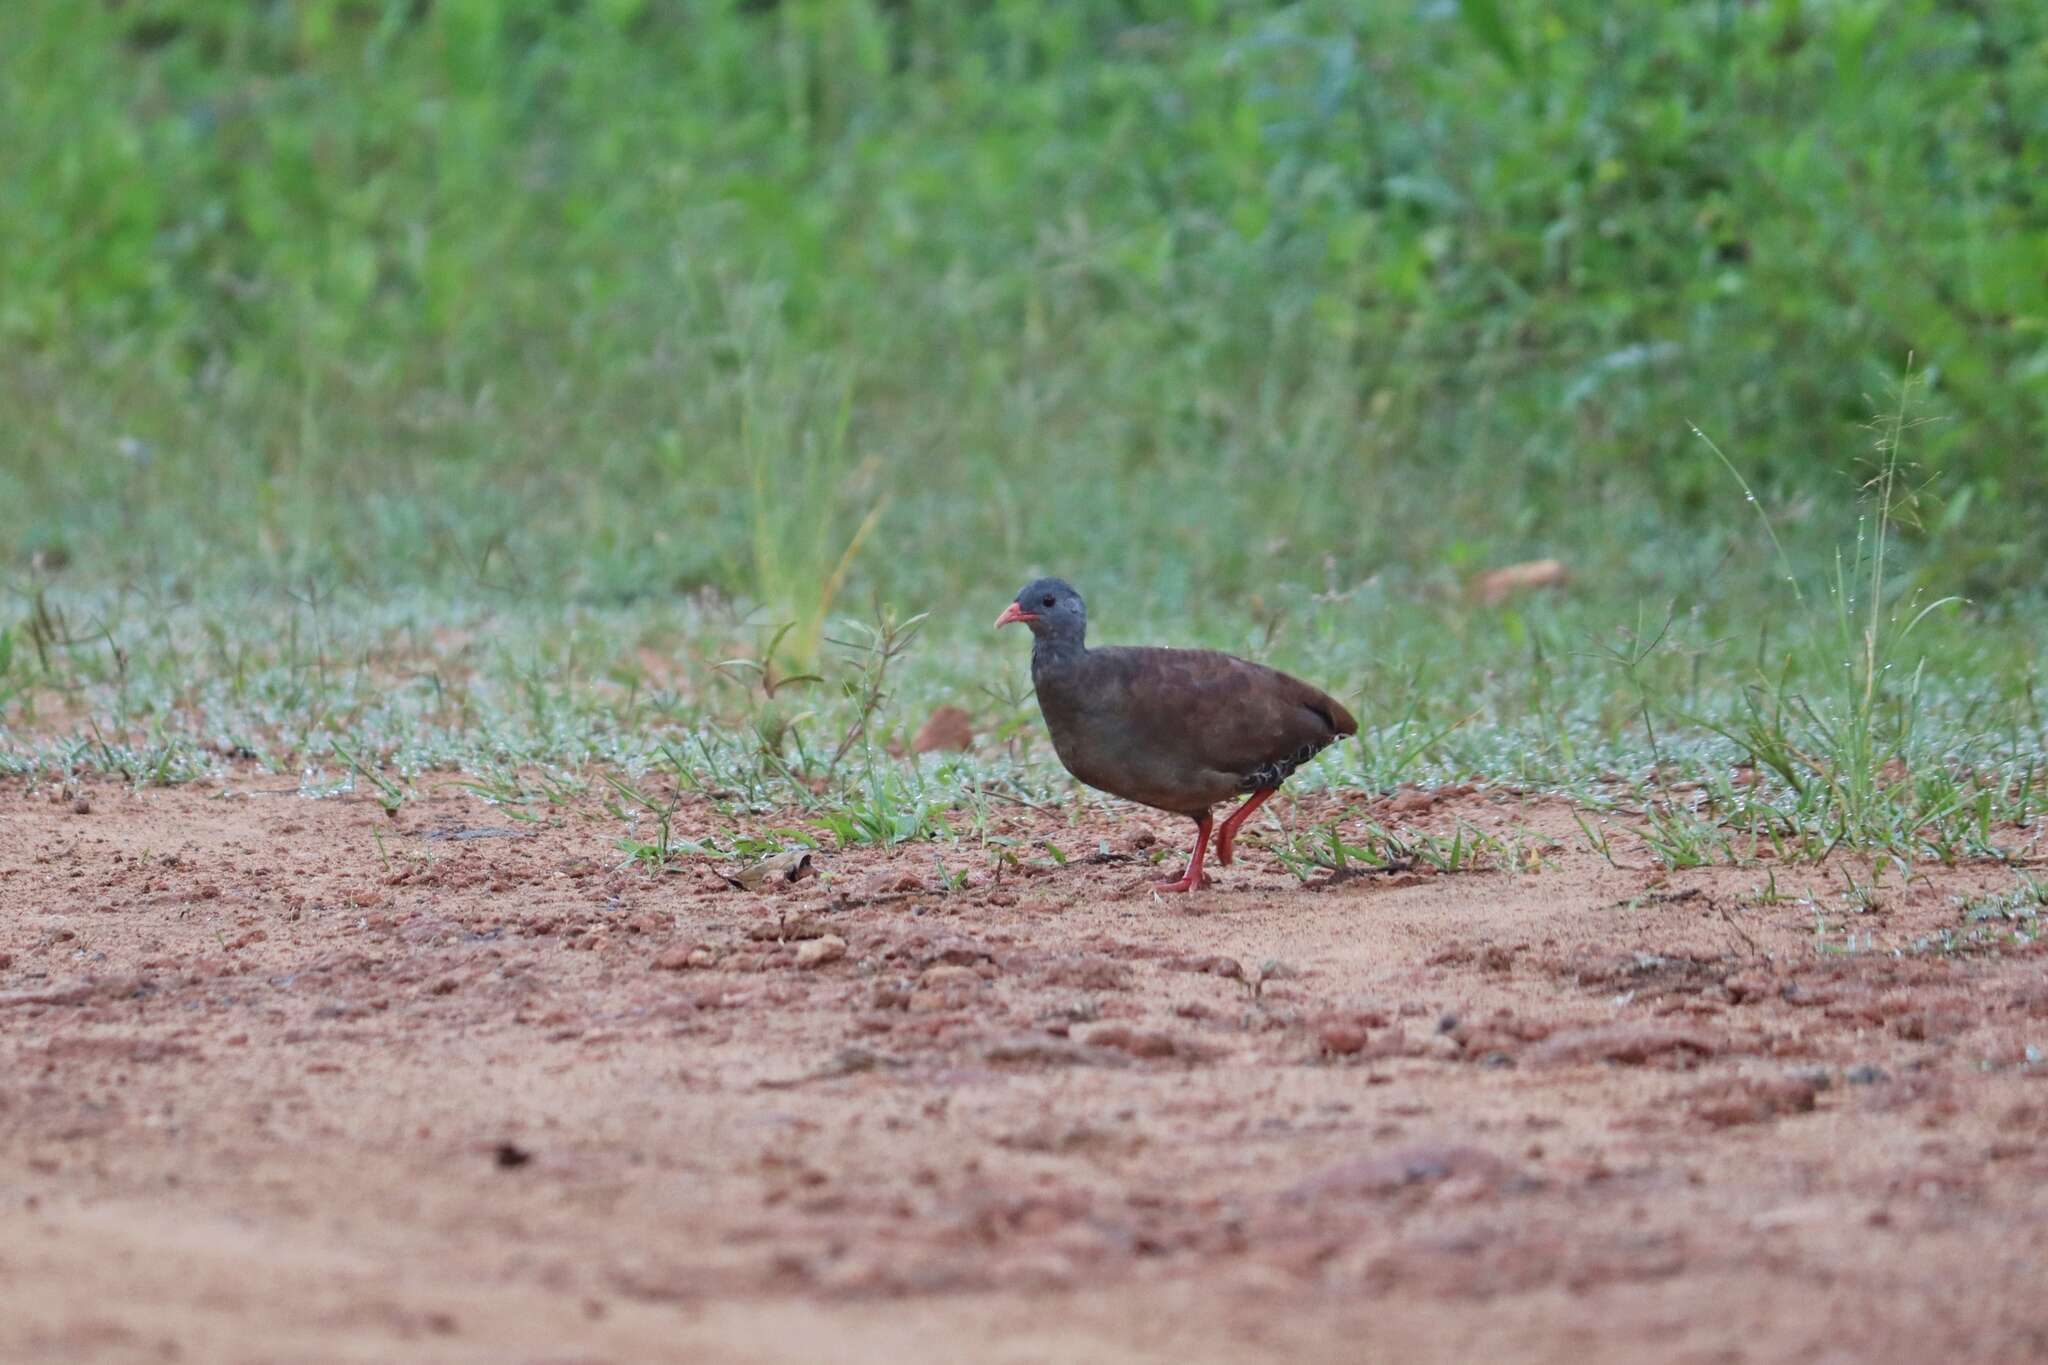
(1053, 610)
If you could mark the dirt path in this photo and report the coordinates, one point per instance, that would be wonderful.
(286, 1080)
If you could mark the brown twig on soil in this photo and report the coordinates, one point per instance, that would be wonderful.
(848, 1062)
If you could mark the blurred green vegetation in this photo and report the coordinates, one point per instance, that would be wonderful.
(605, 299)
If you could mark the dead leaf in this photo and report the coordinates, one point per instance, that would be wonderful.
(790, 865)
(949, 727)
(1497, 585)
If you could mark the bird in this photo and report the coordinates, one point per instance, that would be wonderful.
(1179, 730)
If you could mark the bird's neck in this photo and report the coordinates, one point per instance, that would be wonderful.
(1055, 652)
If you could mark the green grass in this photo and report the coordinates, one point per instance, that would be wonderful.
(536, 390)
(383, 695)
(611, 300)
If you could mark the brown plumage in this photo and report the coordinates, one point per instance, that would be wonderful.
(1179, 730)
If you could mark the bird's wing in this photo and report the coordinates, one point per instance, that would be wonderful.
(1233, 715)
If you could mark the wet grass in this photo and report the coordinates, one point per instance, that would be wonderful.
(536, 397)
(1710, 744)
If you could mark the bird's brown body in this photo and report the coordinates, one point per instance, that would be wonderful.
(1179, 730)
(1182, 730)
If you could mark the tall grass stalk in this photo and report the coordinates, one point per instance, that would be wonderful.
(800, 473)
(1850, 761)
(1876, 735)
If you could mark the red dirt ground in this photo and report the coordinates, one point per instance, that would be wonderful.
(288, 1080)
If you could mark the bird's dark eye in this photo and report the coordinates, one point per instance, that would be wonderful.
(1046, 602)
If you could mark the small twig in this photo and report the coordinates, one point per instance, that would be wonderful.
(1740, 932)
(849, 1062)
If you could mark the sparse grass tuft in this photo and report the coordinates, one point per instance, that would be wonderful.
(1833, 726)
(2005, 921)
(1349, 845)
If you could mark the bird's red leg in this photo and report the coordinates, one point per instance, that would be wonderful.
(1226, 837)
(1193, 877)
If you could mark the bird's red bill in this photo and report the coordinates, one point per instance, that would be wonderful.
(1013, 612)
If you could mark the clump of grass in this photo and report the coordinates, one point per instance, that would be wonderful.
(2002, 921)
(390, 795)
(1841, 734)
(882, 814)
(635, 802)
(799, 469)
(1374, 847)
(875, 649)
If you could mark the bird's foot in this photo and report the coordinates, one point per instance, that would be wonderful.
(1225, 846)
(1183, 883)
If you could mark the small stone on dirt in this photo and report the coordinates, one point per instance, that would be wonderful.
(787, 930)
(1140, 1042)
(819, 951)
(1048, 1051)
(1388, 1172)
(1342, 1040)
(888, 883)
(683, 957)
(1753, 1099)
(1341, 1037)
(1227, 967)
(1627, 1044)
(1088, 973)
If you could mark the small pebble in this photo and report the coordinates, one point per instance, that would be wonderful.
(819, 951)
(1342, 1038)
